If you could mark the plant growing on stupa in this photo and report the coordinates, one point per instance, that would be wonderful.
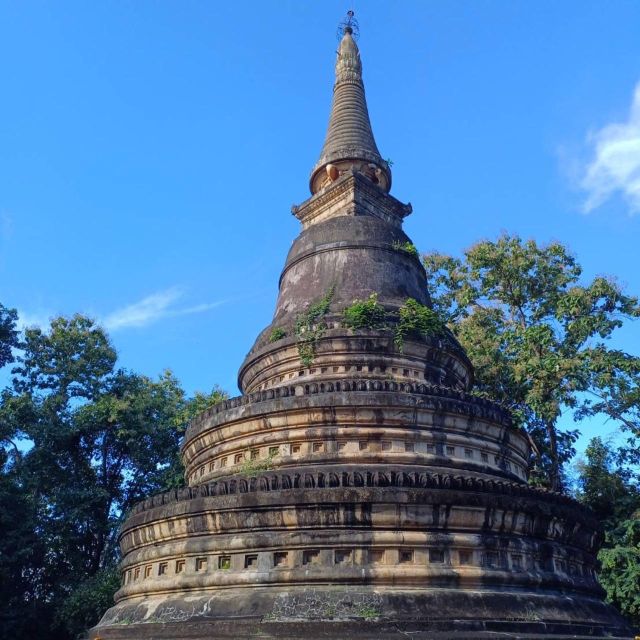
(416, 320)
(277, 333)
(406, 247)
(252, 467)
(364, 314)
(310, 327)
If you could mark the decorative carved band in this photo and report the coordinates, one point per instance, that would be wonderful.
(352, 186)
(446, 398)
(280, 481)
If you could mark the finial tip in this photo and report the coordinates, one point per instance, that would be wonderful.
(349, 26)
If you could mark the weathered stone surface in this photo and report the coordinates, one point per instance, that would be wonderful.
(355, 355)
(356, 256)
(361, 491)
(363, 614)
(349, 140)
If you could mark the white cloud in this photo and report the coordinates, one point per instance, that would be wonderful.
(143, 312)
(27, 320)
(615, 166)
(152, 308)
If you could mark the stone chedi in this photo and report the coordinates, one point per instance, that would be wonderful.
(356, 489)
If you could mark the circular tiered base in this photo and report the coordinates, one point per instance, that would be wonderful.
(358, 554)
(357, 509)
(364, 614)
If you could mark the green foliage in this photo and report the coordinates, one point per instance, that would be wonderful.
(22, 613)
(364, 314)
(256, 466)
(315, 312)
(190, 408)
(535, 335)
(612, 381)
(8, 334)
(84, 606)
(368, 612)
(606, 484)
(416, 320)
(71, 360)
(101, 439)
(276, 334)
(620, 568)
(200, 402)
(406, 247)
(610, 488)
(310, 327)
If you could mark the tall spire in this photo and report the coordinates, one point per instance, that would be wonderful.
(349, 144)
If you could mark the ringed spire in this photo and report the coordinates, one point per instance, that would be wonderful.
(349, 144)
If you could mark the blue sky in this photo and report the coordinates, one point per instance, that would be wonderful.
(150, 152)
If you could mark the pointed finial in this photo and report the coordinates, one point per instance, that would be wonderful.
(349, 144)
(349, 25)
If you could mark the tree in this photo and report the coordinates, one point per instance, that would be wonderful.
(86, 604)
(610, 488)
(20, 553)
(606, 484)
(620, 567)
(537, 337)
(19, 545)
(8, 334)
(614, 388)
(8, 342)
(101, 439)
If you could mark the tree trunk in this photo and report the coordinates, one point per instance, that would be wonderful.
(554, 471)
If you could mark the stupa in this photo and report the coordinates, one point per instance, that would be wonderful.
(356, 488)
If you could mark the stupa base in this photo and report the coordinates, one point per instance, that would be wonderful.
(344, 614)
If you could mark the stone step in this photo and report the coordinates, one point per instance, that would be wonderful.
(245, 629)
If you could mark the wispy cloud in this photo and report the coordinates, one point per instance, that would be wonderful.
(153, 308)
(27, 320)
(615, 164)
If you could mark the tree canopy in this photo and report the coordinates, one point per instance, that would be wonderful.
(611, 487)
(89, 440)
(8, 334)
(537, 335)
